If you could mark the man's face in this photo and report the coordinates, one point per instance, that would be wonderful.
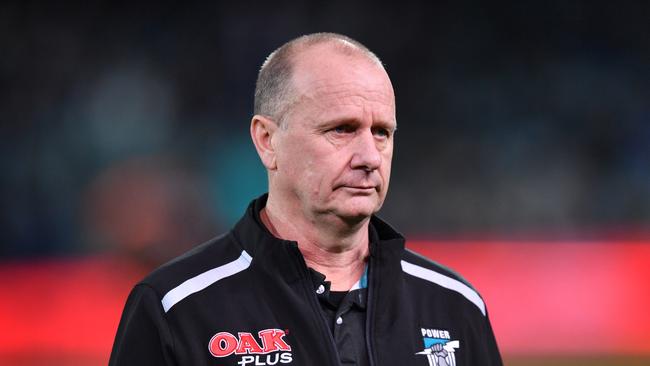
(334, 156)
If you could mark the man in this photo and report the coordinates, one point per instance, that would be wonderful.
(309, 276)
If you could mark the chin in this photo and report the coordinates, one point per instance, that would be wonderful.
(358, 211)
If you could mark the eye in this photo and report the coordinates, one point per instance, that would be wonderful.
(381, 132)
(343, 129)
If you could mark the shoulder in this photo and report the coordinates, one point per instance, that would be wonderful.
(411, 257)
(424, 269)
(199, 265)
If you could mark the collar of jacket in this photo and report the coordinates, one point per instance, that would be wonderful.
(283, 256)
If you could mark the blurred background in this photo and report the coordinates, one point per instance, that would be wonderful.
(522, 158)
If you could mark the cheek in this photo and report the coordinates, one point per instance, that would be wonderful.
(304, 168)
(321, 174)
(294, 156)
(387, 161)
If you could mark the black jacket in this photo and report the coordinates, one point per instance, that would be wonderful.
(247, 298)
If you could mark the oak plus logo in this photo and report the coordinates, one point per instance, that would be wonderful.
(267, 348)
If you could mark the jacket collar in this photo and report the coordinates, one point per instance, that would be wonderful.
(283, 255)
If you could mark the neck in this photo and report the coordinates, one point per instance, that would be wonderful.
(337, 251)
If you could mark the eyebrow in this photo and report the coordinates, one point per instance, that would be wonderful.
(337, 121)
(352, 121)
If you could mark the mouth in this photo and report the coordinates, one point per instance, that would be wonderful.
(360, 189)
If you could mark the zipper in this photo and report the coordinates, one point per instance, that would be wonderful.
(372, 282)
(313, 300)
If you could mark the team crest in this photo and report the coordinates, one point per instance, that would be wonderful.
(439, 348)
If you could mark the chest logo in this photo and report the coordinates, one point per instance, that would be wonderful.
(439, 348)
(268, 348)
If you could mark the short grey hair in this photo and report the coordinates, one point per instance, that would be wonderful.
(274, 89)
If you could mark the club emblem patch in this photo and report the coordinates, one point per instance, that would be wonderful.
(439, 348)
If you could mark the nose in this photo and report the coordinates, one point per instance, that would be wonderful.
(366, 153)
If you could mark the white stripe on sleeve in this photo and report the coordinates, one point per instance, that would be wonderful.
(444, 281)
(205, 279)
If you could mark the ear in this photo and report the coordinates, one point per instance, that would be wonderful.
(262, 132)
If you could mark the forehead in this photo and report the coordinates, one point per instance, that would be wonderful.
(324, 77)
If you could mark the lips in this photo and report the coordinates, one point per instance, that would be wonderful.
(355, 191)
(361, 182)
(360, 187)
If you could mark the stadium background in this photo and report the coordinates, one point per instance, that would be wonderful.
(522, 158)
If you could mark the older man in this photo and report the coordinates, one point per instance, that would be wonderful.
(309, 276)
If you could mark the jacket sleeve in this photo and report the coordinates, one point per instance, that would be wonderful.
(490, 350)
(143, 336)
